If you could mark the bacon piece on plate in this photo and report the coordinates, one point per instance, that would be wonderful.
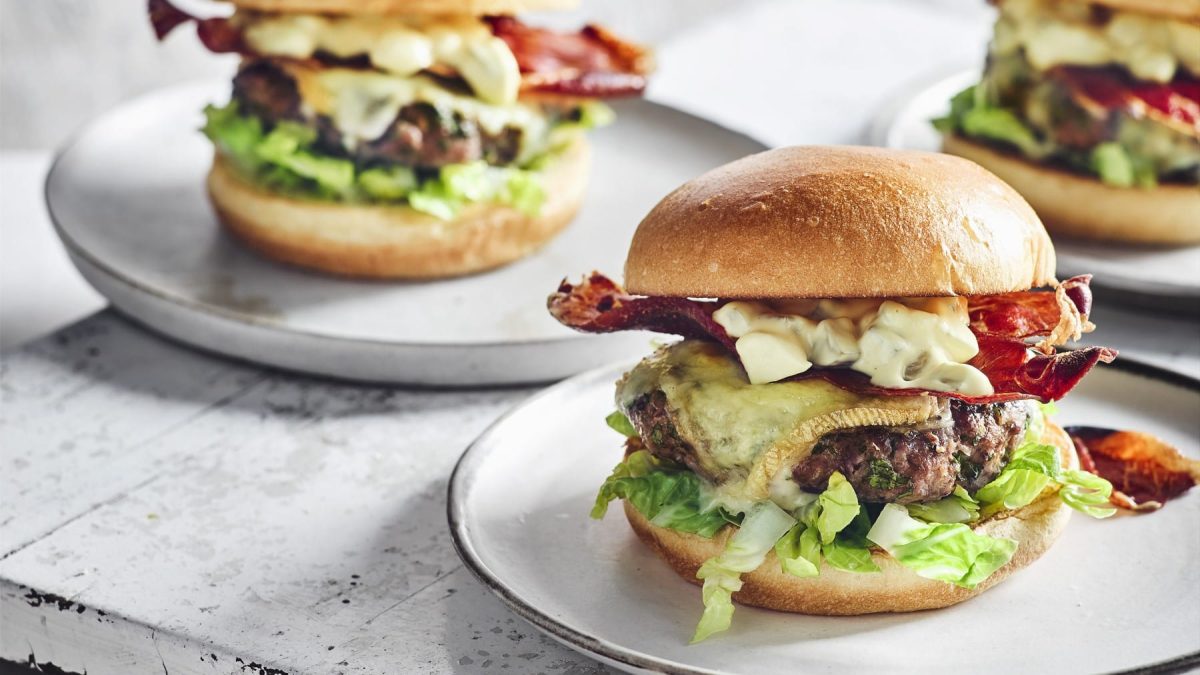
(218, 33)
(1145, 471)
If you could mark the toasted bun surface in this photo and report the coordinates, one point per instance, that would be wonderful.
(894, 588)
(395, 242)
(838, 222)
(461, 7)
(1079, 206)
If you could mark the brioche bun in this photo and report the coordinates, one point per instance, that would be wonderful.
(1079, 206)
(894, 588)
(441, 7)
(840, 222)
(395, 242)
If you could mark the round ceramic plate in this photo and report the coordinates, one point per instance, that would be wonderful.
(127, 197)
(1145, 271)
(1111, 596)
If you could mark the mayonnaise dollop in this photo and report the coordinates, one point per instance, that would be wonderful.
(921, 343)
(396, 45)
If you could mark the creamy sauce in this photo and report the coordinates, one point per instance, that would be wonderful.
(400, 46)
(362, 104)
(1062, 33)
(748, 433)
(921, 343)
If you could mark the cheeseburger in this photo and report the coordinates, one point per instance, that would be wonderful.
(1091, 110)
(404, 138)
(855, 420)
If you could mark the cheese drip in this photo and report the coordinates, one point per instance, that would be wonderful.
(363, 104)
(921, 343)
(400, 46)
(1064, 33)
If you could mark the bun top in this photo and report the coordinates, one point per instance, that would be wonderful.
(460, 7)
(840, 222)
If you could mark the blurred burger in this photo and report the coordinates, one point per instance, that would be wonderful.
(404, 138)
(854, 420)
(1091, 110)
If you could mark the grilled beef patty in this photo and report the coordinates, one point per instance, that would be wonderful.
(884, 464)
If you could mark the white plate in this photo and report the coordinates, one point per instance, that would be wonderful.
(1109, 596)
(128, 200)
(1141, 270)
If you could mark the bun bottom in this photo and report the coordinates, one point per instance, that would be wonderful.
(395, 242)
(1083, 207)
(894, 588)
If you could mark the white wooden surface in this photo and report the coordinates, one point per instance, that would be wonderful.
(164, 510)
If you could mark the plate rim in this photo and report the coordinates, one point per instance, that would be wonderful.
(880, 129)
(461, 480)
(74, 248)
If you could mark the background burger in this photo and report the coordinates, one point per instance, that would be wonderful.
(404, 138)
(1091, 110)
(855, 423)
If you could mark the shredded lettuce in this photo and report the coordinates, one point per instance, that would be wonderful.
(1033, 467)
(971, 114)
(959, 507)
(762, 527)
(285, 159)
(618, 422)
(949, 552)
(667, 496)
(833, 527)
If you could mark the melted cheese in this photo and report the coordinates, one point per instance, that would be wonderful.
(747, 434)
(400, 46)
(362, 104)
(1063, 33)
(921, 343)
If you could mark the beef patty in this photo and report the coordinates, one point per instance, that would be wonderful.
(884, 464)
(422, 135)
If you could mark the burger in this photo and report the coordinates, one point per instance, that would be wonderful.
(1091, 110)
(404, 138)
(856, 419)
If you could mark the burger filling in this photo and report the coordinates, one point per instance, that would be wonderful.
(436, 112)
(1110, 94)
(830, 431)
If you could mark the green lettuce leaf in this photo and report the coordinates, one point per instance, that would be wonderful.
(1087, 493)
(832, 526)
(971, 114)
(850, 550)
(667, 496)
(949, 552)
(618, 422)
(959, 507)
(799, 551)
(762, 527)
(839, 506)
(285, 159)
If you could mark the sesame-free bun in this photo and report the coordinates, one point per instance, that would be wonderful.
(460, 7)
(1081, 206)
(840, 222)
(895, 588)
(395, 242)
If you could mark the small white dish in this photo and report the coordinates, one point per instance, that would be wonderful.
(1142, 272)
(127, 197)
(1110, 596)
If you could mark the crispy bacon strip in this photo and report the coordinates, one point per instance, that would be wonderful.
(1145, 471)
(218, 34)
(1059, 315)
(1100, 90)
(591, 62)
(599, 305)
